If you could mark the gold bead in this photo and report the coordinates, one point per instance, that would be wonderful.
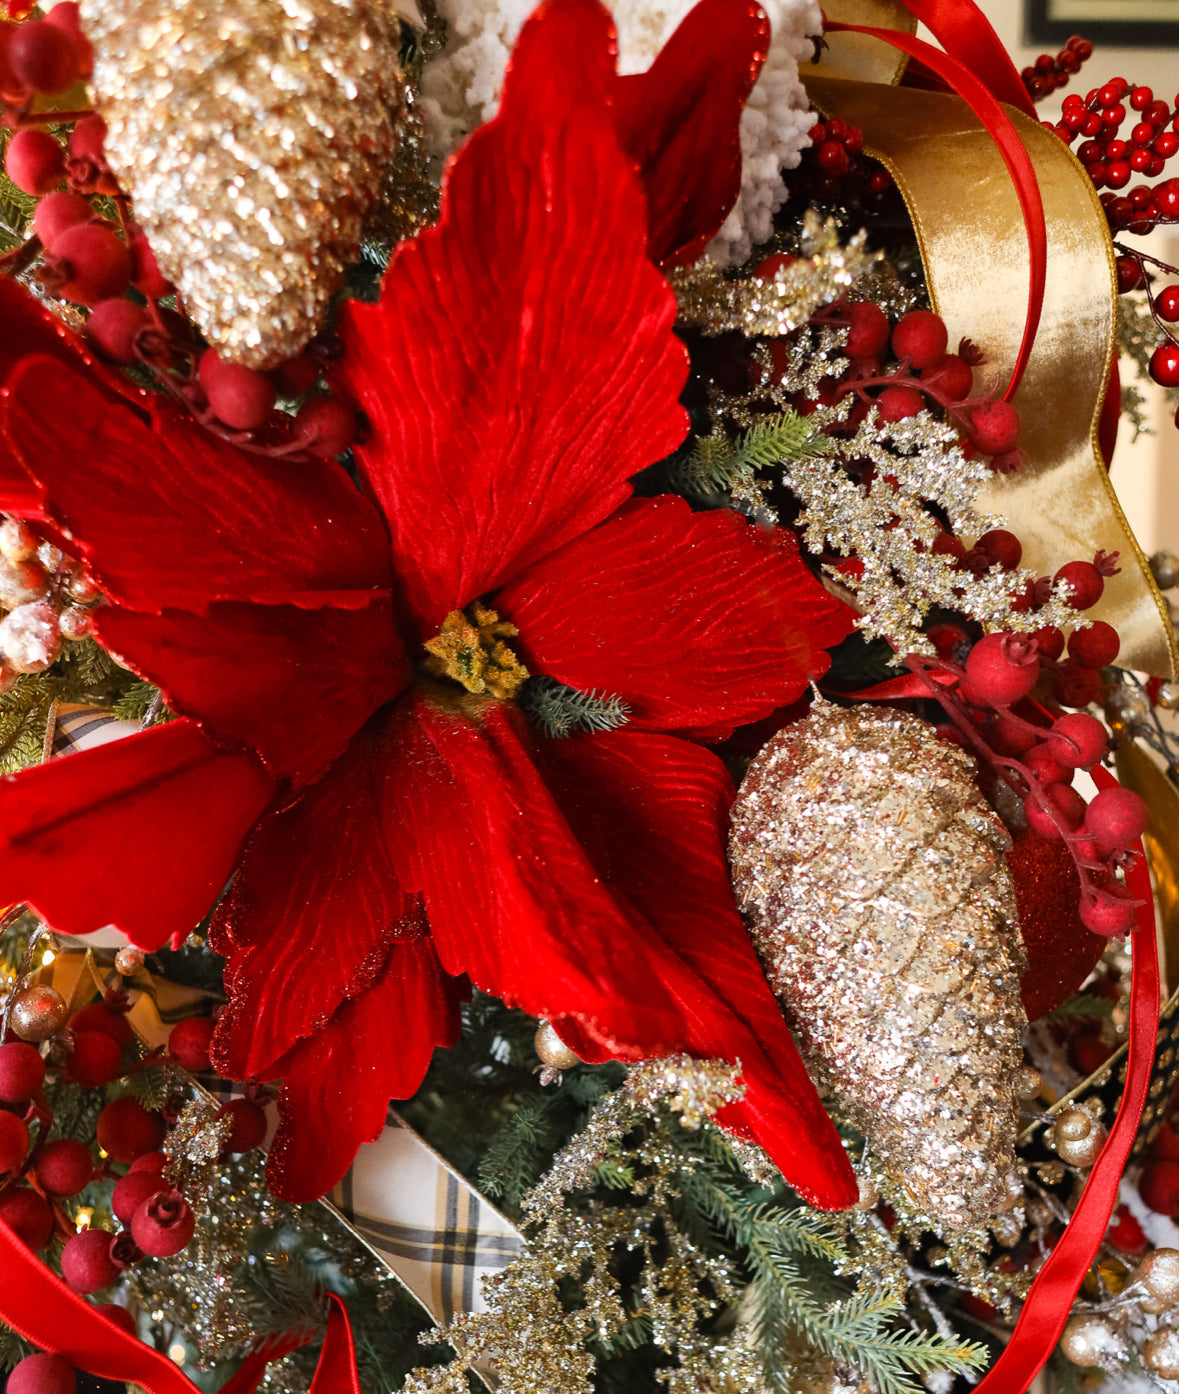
(552, 1050)
(1072, 1125)
(1159, 1275)
(1085, 1151)
(38, 1013)
(1026, 1082)
(129, 961)
(1167, 696)
(1090, 1340)
(1161, 1353)
(1164, 567)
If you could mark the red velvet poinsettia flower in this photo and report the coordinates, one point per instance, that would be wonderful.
(345, 666)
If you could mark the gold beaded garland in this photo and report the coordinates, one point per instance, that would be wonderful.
(38, 1012)
(552, 1050)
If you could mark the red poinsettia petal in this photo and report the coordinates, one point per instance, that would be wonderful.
(311, 916)
(699, 621)
(291, 684)
(1061, 951)
(537, 370)
(680, 123)
(141, 833)
(167, 515)
(653, 811)
(510, 896)
(337, 1086)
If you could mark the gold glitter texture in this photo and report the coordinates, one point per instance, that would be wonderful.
(252, 136)
(873, 878)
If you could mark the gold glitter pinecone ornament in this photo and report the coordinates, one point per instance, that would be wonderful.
(252, 136)
(872, 876)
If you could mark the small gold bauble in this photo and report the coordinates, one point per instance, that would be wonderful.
(1159, 1275)
(1072, 1125)
(1161, 1353)
(38, 1013)
(552, 1050)
(129, 961)
(1089, 1340)
(1164, 567)
(1026, 1082)
(1167, 696)
(1082, 1152)
(1128, 705)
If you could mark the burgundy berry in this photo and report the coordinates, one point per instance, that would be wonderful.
(921, 337)
(1095, 646)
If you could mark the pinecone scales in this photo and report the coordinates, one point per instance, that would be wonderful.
(872, 876)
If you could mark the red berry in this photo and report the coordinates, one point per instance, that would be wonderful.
(1001, 547)
(1165, 1146)
(64, 1168)
(1050, 641)
(1116, 819)
(325, 426)
(1077, 740)
(921, 337)
(150, 1161)
(1125, 1232)
(189, 1043)
(65, 16)
(994, 427)
(14, 1142)
(238, 396)
(22, 1072)
(87, 165)
(1167, 304)
(1010, 736)
(868, 330)
(1164, 365)
(146, 275)
(119, 1315)
(43, 56)
(1129, 274)
(1166, 199)
(99, 1017)
(1045, 768)
(1159, 1187)
(766, 268)
(163, 1224)
(1074, 686)
(898, 403)
(299, 375)
(946, 544)
(132, 1190)
(96, 1060)
(1095, 646)
(833, 157)
(86, 1262)
(1002, 668)
(951, 375)
(1083, 584)
(57, 212)
(1110, 912)
(1167, 145)
(34, 162)
(1068, 805)
(41, 1374)
(27, 1214)
(248, 1126)
(1117, 174)
(126, 1130)
(114, 327)
(90, 264)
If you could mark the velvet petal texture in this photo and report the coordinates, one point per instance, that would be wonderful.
(337, 1085)
(537, 370)
(680, 122)
(141, 833)
(699, 621)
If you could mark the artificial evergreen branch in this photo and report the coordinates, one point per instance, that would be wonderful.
(717, 465)
(564, 711)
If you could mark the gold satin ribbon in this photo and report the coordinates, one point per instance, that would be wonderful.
(974, 247)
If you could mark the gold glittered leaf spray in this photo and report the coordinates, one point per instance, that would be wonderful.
(251, 136)
(873, 878)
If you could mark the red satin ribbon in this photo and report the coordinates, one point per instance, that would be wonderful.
(967, 35)
(979, 98)
(45, 1311)
(1049, 1302)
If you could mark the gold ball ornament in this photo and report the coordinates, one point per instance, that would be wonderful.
(1160, 1353)
(1078, 1137)
(1089, 1339)
(1159, 1275)
(1164, 567)
(252, 136)
(551, 1050)
(1167, 696)
(38, 1013)
(873, 878)
(128, 962)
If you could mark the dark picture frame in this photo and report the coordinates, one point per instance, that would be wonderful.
(1111, 23)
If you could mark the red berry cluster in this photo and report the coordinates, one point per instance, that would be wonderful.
(1158, 1184)
(1049, 73)
(1133, 273)
(837, 150)
(1111, 158)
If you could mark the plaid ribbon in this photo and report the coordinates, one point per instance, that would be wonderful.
(411, 1209)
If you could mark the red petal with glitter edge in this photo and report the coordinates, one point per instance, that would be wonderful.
(538, 370)
(292, 684)
(510, 896)
(699, 621)
(652, 811)
(311, 916)
(337, 1086)
(680, 123)
(141, 833)
(171, 516)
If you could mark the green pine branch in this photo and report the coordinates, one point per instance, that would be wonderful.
(717, 465)
(564, 711)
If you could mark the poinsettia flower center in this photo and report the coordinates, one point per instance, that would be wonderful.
(470, 649)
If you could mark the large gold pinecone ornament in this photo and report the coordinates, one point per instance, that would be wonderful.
(872, 875)
(251, 136)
